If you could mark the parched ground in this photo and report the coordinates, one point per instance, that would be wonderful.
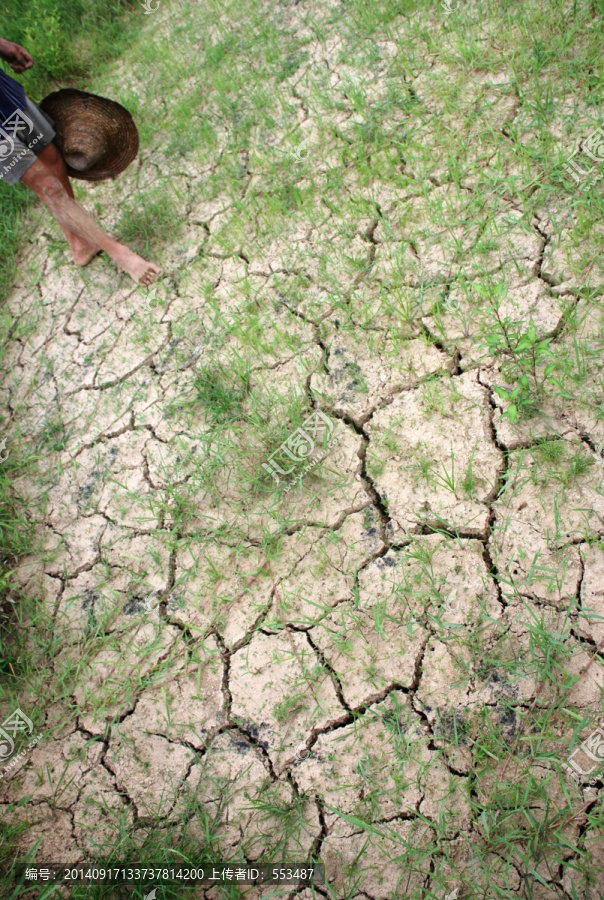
(380, 663)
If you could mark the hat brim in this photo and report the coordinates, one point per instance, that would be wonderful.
(122, 141)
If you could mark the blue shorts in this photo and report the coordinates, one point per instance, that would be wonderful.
(22, 136)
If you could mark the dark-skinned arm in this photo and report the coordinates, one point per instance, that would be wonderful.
(16, 56)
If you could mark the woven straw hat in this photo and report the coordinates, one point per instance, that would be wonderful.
(97, 137)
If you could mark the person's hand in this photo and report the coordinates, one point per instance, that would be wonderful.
(16, 56)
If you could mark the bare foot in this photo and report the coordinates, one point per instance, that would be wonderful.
(139, 269)
(83, 252)
(152, 274)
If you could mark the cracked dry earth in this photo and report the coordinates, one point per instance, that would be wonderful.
(394, 614)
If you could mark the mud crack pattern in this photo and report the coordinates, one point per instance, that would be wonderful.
(345, 227)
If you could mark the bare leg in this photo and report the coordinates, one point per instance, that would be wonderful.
(74, 219)
(82, 250)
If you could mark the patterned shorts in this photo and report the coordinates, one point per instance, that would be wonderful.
(22, 136)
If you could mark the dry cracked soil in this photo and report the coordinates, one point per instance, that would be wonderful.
(379, 662)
